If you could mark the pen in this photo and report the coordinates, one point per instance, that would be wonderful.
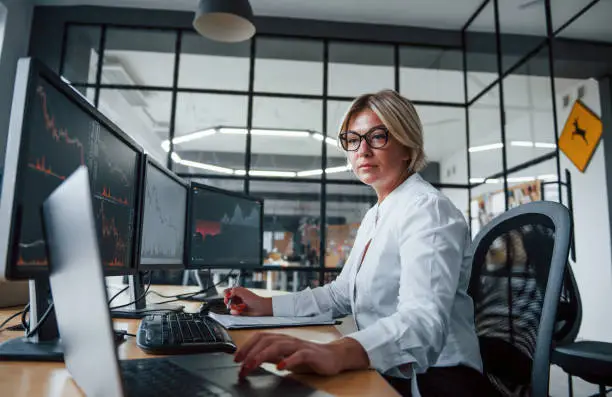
(229, 301)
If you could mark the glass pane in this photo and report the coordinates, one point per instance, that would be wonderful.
(291, 281)
(562, 11)
(292, 213)
(431, 74)
(139, 57)
(522, 29)
(337, 165)
(209, 64)
(210, 133)
(529, 111)
(143, 115)
(346, 207)
(524, 186)
(356, 69)
(445, 146)
(81, 56)
(289, 66)
(593, 25)
(481, 52)
(485, 137)
(284, 143)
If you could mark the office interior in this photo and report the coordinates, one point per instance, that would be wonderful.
(493, 82)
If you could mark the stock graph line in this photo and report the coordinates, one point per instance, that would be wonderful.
(110, 230)
(113, 168)
(57, 133)
(41, 167)
(106, 193)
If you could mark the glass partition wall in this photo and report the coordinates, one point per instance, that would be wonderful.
(262, 117)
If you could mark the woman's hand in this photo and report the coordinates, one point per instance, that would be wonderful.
(298, 355)
(246, 303)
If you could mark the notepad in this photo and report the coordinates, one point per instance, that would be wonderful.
(245, 322)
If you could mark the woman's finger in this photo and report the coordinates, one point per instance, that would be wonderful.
(296, 360)
(274, 352)
(244, 350)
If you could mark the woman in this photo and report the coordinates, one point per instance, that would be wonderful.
(405, 280)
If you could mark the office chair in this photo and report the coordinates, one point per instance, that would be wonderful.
(518, 266)
(589, 360)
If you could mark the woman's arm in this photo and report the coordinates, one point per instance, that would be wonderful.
(332, 297)
(432, 235)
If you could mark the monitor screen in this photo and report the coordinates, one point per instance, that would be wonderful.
(225, 227)
(164, 218)
(55, 132)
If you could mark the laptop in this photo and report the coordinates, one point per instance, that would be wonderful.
(84, 321)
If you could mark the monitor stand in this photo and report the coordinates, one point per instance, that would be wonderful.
(141, 308)
(44, 345)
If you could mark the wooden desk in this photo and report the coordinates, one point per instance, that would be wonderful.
(34, 379)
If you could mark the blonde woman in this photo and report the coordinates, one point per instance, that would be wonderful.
(405, 280)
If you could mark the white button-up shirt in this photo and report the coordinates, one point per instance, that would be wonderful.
(409, 295)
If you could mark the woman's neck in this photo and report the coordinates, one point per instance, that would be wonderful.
(383, 192)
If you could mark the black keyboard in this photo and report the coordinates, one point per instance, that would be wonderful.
(182, 333)
(161, 378)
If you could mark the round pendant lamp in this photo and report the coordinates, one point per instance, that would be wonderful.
(228, 21)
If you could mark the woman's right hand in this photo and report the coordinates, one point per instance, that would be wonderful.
(247, 303)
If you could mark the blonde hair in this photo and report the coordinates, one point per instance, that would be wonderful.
(399, 116)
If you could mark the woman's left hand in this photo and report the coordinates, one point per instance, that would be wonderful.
(298, 355)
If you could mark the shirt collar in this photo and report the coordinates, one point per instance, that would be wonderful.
(387, 204)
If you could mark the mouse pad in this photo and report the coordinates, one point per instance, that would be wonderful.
(221, 369)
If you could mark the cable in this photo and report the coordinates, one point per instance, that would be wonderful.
(188, 295)
(25, 324)
(40, 322)
(117, 294)
(9, 319)
(141, 297)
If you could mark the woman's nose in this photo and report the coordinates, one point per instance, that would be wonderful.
(364, 149)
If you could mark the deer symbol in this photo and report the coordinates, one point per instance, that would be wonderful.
(579, 131)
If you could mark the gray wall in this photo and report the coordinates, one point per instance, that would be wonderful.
(15, 46)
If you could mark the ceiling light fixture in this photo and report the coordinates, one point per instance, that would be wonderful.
(289, 174)
(483, 148)
(228, 21)
(320, 137)
(543, 145)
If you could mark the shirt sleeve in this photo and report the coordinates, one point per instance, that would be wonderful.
(332, 297)
(431, 235)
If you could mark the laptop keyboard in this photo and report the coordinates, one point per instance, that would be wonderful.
(162, 378)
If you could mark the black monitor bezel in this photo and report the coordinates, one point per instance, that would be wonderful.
(165, 266)
(189, 263)
(36, 69)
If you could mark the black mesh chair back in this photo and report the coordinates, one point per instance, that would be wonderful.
(519, 262)
(569, 311)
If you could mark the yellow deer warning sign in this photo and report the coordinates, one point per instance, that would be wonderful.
(580, 135)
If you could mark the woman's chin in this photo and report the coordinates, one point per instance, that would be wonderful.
(368, 178)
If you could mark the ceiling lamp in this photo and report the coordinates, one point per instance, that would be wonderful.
(229, 21)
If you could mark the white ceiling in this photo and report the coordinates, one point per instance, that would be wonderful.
(517, 16)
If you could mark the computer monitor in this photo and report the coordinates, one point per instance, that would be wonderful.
(162, 235)
(226, 229)
(53, 130)
(164, 219)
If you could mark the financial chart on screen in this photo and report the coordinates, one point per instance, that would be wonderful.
(59, 136)
(225, 229)
(165, 210)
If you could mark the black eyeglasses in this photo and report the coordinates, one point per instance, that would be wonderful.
(376, 138)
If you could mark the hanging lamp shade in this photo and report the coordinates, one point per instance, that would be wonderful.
(225, 20)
